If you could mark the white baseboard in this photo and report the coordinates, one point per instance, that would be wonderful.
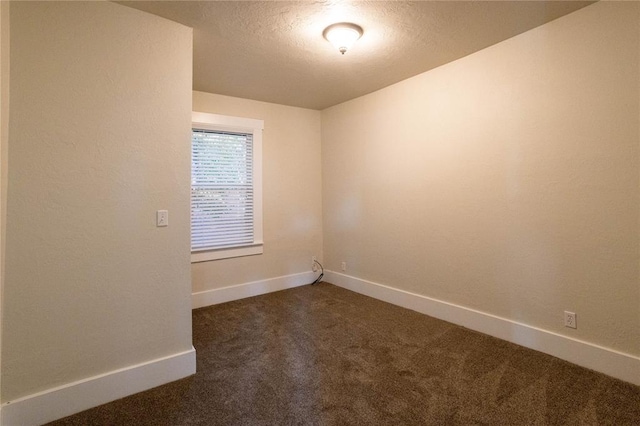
(62, 401)
(250, 289)
(608, 361)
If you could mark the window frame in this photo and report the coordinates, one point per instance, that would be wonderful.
(224, 123)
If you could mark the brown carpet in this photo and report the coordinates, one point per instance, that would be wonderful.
(322, 355)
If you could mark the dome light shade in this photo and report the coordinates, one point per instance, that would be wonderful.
(342, 35)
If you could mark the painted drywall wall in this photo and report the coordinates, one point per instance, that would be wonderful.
(292, 199)
(506, 182)
(99, 131)
(4, 136)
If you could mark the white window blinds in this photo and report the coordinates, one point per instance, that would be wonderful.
(222, 194)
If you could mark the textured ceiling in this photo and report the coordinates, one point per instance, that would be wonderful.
(274, 51)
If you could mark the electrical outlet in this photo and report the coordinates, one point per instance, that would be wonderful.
(314, 265)
(570, 319)
(343, 266)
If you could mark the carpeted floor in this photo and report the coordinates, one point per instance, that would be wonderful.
(322, 355)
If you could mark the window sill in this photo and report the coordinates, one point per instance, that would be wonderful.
(226, 253)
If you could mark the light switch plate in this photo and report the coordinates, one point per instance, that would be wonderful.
(162, 218)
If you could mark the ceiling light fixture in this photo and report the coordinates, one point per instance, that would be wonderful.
(343, 35)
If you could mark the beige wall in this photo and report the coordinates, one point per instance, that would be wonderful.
(505, 182)
(98, 141)
(291, 193)
(4, 135)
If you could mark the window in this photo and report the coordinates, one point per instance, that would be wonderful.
(226, 187)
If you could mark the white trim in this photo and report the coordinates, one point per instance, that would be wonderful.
(62, 401)
(257, 186)
(225, 253)
(225, 122)
(608, 361)
(250, 289)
